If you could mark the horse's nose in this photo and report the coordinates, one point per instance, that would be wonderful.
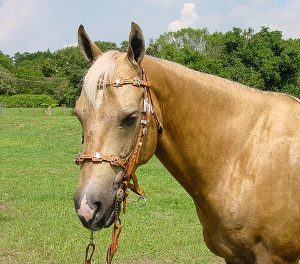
(87, 211)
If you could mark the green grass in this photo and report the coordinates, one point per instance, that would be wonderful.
(38, 223)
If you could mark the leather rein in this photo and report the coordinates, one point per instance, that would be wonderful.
(128, 163)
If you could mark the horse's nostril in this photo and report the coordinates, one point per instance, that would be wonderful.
(97, 206)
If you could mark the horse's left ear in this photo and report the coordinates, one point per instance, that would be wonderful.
(136, 44)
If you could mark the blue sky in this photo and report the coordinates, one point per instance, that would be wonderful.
(32, 25)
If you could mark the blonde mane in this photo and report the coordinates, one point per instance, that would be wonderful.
(101, 71)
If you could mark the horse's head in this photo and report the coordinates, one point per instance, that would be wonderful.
(110, 115)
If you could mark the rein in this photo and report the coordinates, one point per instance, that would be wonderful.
(128, 163)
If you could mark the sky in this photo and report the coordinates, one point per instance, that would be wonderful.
(33, 25)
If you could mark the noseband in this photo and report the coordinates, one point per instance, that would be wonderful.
(128, 164)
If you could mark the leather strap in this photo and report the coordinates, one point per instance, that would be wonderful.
(130, 162)
(98, 157)
(118, 82)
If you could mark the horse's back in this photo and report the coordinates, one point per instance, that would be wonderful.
(262, 187)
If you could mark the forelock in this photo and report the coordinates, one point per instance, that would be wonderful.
(101, 71)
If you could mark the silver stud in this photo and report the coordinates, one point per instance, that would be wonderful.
(118, 82)
(98, 155)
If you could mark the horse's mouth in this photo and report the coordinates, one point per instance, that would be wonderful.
(110, 220)
(104, 222)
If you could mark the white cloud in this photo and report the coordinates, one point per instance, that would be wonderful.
(188, 18)
(219, 15)
(288, 19)
(164, 3)
(13, 17)
(69, 45)
(256, 13)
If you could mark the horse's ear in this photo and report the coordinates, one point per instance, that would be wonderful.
(88, 48)
(136, 44)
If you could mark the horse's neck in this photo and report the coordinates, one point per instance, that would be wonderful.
(197, 111)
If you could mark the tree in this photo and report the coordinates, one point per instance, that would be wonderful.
(273, 58)
(263, 60)
(70, 64)
(49, 68)
(124, 45)
(173, 45)
(6, 61)
(106, 45)
(6, 82)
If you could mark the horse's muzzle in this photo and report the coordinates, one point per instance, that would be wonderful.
(92, 214)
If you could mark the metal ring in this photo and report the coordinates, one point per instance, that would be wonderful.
(141, 201)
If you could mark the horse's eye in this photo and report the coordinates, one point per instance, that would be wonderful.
(82, 139)
(130, 119)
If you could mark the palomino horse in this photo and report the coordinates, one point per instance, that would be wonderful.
(234, 149)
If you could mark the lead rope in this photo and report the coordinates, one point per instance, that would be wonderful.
(90, 249)
(117, 229)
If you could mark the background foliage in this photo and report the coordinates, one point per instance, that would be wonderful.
(263, 60)
(28, 100)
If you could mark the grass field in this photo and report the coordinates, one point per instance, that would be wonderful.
(38, 223)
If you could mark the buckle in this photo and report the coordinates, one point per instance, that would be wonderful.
(100, 85)
(78, 159)
(144, 122)
(114, 161)
(148, 108)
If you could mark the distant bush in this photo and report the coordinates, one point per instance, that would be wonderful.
(27, 100)
(292, 90)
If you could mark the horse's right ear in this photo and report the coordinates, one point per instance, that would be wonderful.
(88, 48)
(136, 44)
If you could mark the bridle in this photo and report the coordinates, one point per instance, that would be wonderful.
(128, 164)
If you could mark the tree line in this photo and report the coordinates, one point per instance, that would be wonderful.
(263, 59)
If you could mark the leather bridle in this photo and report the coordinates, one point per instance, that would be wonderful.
(128, 164)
